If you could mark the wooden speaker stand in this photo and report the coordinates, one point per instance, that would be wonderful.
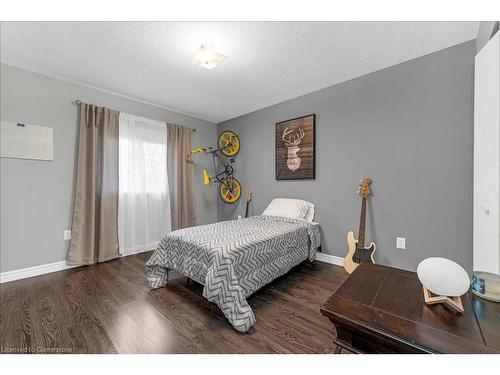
(454, 303)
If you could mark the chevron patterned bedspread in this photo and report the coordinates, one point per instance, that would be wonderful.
(233, 259)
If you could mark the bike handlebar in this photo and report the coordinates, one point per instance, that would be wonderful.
(196, 151)
(206, 150)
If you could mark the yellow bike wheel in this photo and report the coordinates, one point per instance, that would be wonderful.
(229, 143)
(230, 192)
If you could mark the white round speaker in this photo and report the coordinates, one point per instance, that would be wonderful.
(443, 277)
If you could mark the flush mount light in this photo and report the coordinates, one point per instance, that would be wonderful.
(207, 58)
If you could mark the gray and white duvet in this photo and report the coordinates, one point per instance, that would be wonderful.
(233, 259)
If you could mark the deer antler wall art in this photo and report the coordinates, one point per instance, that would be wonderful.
(295, 148)
(292, 139)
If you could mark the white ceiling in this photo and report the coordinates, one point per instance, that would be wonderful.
(268, 62)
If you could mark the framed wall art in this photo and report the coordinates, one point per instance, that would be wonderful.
(295, 148)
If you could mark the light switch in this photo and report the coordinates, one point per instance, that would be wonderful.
(67, 235)
(401, 243)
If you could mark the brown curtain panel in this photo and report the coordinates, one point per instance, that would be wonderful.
(180, 177)
(95, 214)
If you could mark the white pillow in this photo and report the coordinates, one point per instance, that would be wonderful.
(310, 213)
(291, 208)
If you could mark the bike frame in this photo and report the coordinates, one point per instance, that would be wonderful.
(227, 173)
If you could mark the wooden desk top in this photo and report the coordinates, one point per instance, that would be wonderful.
(385, 305)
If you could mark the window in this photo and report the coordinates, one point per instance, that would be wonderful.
(144, 202)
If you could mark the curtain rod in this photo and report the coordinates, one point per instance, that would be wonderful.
(78, 102)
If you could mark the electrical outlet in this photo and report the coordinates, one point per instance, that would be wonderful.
(67, 235)
(401, 243)
(239, 217)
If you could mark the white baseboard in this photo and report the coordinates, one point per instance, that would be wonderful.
(24, 273)
(332, 259)
(133, 252)
(43, 269)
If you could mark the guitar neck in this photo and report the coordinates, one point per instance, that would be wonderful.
(362, 221)
(249, 199)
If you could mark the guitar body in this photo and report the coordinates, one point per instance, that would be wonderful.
(353, 253)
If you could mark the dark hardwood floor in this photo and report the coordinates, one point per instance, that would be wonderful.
(107, 308)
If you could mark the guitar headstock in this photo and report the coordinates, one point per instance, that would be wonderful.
(364, 189)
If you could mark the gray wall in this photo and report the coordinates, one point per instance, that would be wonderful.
(37, 196)
(410, 128)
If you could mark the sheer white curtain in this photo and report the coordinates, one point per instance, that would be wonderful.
(143, 200)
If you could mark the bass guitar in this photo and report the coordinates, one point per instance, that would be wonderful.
(357, 252)
(249, 199)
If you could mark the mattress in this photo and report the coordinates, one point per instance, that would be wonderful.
(233, 259)
(317, 233)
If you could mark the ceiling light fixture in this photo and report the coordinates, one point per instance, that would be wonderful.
(207, 58)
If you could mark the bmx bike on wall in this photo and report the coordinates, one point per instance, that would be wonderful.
(228, 147)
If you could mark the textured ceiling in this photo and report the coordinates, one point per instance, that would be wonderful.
(268, 62)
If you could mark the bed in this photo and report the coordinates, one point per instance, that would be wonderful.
(235, 258)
